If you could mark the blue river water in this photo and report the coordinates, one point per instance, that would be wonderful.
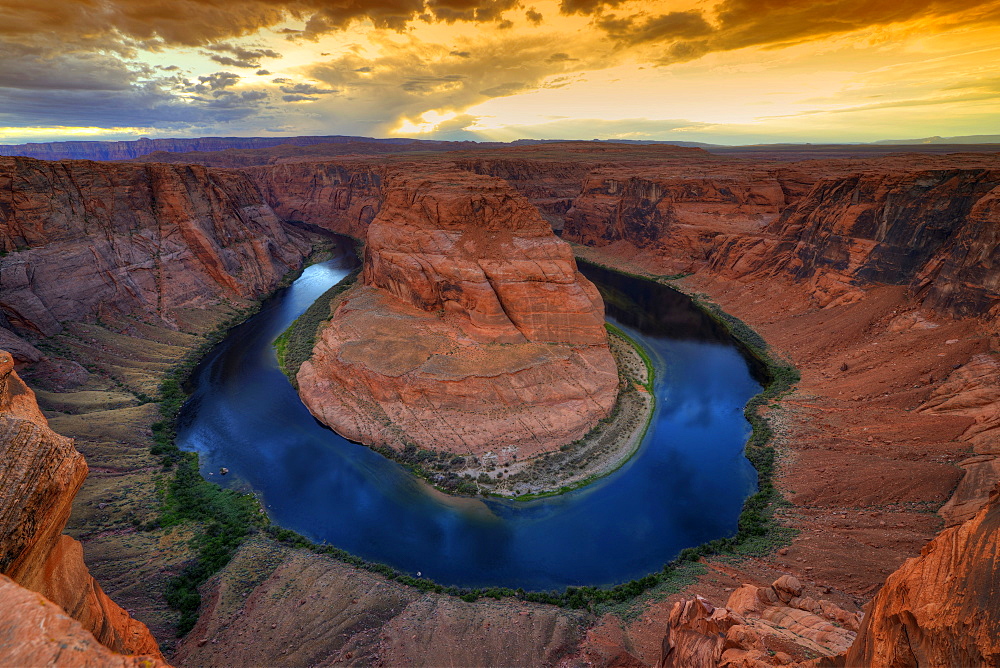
(686, 484)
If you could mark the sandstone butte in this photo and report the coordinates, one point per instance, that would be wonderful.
(878, 277)
(41, 474)
(471, 330)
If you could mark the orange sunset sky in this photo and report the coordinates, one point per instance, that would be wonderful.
(736, 71)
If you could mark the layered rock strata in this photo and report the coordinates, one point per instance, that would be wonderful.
(83, 239)
(758, 627)
(64, 641)
(40, 475)
(935, 232)
(472, 330)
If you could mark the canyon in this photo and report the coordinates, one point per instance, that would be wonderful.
(876, 277)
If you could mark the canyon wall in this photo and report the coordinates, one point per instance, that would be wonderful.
(939, 609)
(472, 330)
(342, 197)
(83, 239)
(40, 476)
(935, 232)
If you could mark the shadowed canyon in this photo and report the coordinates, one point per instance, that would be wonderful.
(870, 538)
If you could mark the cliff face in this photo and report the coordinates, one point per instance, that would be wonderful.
(934, 231)
(131, 239)
(550, 186)
(678, 215)
(340, 197)
(939, 609)
(472, 332)
(41, 474)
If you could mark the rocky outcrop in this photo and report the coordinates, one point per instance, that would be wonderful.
(36, 632)
(84, 239)
(933, 231)
(41, 474)
(973, 391)
(943, 607)
(768, 626)
(472, 332)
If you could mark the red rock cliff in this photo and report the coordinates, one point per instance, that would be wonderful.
(941, 608)
(473, 332)
(134, 239)
(934, 231)
(40, 475)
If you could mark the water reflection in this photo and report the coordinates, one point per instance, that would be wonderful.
(685, 486)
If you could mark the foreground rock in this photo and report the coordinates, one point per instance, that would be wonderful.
(273, 606)
(758, 627)
(40, 475)
(472, 331)
(36, 632)
(943, 607)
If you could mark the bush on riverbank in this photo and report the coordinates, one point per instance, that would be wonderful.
(224, 518)
(295, 345)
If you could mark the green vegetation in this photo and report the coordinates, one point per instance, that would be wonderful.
(671, 578)
(650, 372)
(226, 518)
(223, 518)
(295, 345)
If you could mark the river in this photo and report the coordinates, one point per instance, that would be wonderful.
(686, 484)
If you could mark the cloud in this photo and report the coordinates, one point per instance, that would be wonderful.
(470, 10)
(305, 89)
(242, 57)
(412, 77)
(735, 24)
(533, 16)
(214, 83)
(672, 26)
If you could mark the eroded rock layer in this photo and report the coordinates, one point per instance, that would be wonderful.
(472, 332)
(40, 475)
(939, 609)
(933, 231)
(85, 239)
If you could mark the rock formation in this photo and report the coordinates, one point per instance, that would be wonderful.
(84, 239)
(472, 331)
(40, 475)
(341, 197)
(64, 641)
(941, 608)
(758, 627)
(933, 231)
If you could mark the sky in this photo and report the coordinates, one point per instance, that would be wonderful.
(729, 71)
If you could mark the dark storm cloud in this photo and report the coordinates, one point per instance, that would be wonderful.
(672, 26)
(734, 24)
(248, 58)
(139, 106)
(306, 89)
(470, 10)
